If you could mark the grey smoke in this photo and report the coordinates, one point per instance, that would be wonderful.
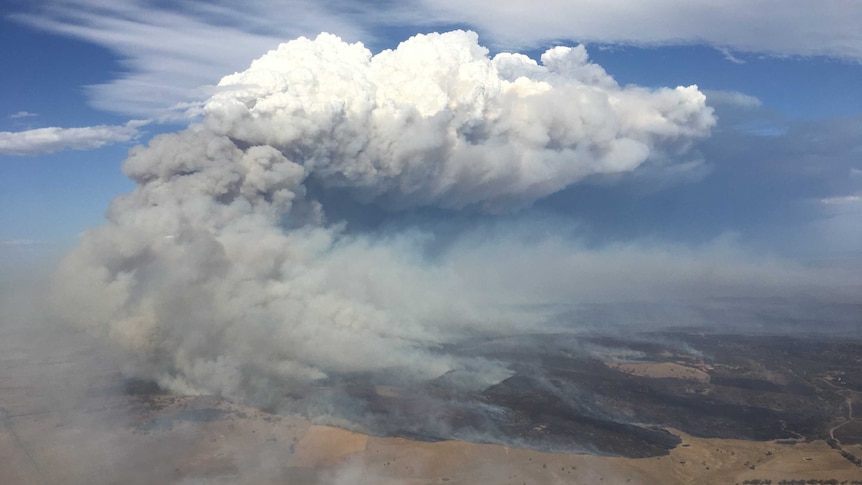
(221, 272)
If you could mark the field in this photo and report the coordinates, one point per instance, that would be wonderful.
(662, 408)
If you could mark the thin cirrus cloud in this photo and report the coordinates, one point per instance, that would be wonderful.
(772, 27)
(21, 114)
(171, 57)
(53, 139)
(842, 200)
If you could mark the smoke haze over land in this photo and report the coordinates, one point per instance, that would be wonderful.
(244, 262)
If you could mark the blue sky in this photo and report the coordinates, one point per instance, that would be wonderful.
(783, 167)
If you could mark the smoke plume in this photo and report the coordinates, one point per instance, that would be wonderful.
(221, 272)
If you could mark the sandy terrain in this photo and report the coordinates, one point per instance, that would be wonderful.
(661, 370)
(697, 461)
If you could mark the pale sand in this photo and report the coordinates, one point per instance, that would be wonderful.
(661, 370)
(323, 446)
(396, 460)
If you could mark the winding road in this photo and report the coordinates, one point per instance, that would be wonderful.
(848, 397)
(849, 420)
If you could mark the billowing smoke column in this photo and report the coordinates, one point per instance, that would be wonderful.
(220, 273)
(436, 122)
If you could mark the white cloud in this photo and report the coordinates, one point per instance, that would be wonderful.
(841, 200)
(728, 55)
(21, 114)
(733, 98)
(774, 27)
(53, 139)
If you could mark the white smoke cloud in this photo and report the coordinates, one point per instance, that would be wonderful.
(438, 122)
(49, 140)
(219, 273)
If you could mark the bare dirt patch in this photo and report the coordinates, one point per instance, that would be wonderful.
(661, 370)
(322, 446)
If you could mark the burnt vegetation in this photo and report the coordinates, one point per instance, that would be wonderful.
(565, 396)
